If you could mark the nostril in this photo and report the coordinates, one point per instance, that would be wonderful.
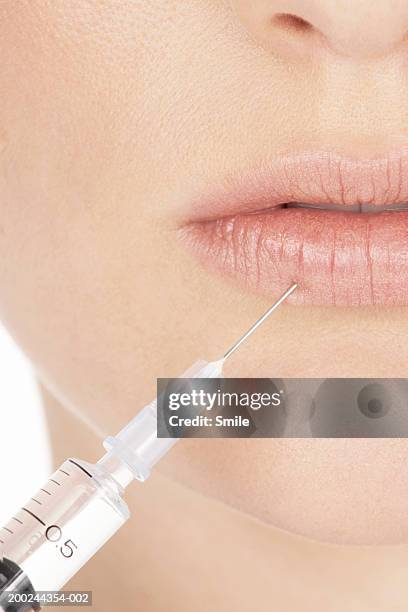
(292, 22)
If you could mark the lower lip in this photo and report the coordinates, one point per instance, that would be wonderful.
(338, 258)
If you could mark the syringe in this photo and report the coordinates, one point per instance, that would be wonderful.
(80, 507)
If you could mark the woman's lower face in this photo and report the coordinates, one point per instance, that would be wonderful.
(163, 177)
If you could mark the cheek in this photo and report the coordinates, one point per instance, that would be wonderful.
(342, 491)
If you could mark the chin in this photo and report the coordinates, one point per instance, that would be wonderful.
(339, 491)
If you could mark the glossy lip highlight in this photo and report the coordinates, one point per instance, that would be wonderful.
(339, 258)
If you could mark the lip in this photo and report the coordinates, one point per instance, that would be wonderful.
(338, 257)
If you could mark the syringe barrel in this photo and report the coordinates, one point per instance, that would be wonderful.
(63, 525)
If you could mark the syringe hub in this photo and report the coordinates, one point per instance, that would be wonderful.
(136, 448)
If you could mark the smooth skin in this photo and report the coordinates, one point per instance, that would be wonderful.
(114, 114)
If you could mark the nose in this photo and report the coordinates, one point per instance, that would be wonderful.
(353, 28)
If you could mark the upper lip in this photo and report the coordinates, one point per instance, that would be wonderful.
(313, 179)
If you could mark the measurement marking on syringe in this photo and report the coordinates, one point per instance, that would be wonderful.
(9, 530)
(55, 481)
(64, 472)
(17, 520)
(45, 491)
(80, 467)
(36, 501)
(34, 516)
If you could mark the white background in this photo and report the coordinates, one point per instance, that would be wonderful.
(25, 461)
